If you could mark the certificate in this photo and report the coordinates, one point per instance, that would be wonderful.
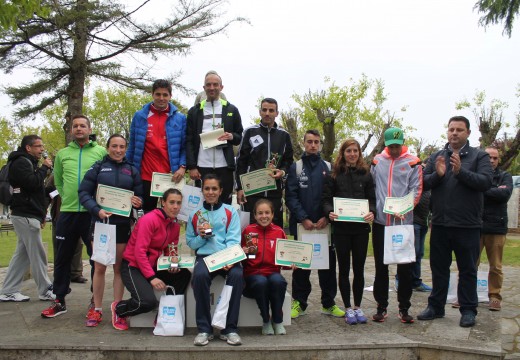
(225, 257)
(210, 139)
(162, 182)
(257, 181)
(300, 230)
(352, 210)
(399, 205)
(185, 262)
(289, 252)
(114, 200)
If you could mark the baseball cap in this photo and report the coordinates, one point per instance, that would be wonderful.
(394, 136)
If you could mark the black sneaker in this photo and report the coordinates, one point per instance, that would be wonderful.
(380, 316)
(467, 319)
(405, 317)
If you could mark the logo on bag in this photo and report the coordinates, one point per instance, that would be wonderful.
(192, 199)
(103, 239)
(482, 283)
(317, 249)
(169, 312)
(397, 240)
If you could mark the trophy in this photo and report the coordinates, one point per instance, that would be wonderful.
(207, 231)
(173, 256)
(273, 160)
(252, 245)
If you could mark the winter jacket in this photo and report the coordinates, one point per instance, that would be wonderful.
(175, 136)
(149, 240)
(495, 203)
(70, 166)
(263, 264)
(396, 178)
(27, 181)
(421, 213)
(260, 144)
(458, 200)
(232, 124)
(303, 193)
(111, 173)
(353, 184)
(225, 224)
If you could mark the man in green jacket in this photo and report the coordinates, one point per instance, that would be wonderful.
(70, 166)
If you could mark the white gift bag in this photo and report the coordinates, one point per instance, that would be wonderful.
(245, 218)
(399, 244)
(170, 317)
(104, 244)
(482, 287)
(191, 200)
(220, 314)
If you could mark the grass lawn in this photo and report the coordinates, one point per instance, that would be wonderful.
(8, 245)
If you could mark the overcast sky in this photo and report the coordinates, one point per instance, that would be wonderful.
(430, 54)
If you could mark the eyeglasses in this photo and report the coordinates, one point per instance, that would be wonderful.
(38, 146)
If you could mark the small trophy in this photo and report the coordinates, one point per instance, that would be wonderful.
(207, 231)
(173, 256)
(252, 245)
(273, 160)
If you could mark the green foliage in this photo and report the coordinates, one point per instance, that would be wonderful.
(12, 11)
(498, 11)
(9, 139)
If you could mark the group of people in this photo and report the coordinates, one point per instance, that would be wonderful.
(455, 183)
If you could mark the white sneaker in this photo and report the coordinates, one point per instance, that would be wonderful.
(16, 297)
(231, 339)
(202, 339)
(48, 296)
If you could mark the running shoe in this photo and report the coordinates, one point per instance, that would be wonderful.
(15, 297)
(360, 316)
(296, 309)
(56, 309)
(118, 322)
(405, 317)
(93, 318)
(334, 310)
(380, 316)
(350, 317)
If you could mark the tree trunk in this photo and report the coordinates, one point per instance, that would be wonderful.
(290, 123)
(78, 70)
(511, 154)
(329, 135)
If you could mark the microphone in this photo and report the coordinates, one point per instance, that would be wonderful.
(45, 155)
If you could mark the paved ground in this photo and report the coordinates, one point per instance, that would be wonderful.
(494, 330)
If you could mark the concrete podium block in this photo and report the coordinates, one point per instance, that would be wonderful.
(249, 313)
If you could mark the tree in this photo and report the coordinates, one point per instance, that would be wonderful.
(83, 39)
(355, 110)
(9, 139)
(490, 121)
(497, 11)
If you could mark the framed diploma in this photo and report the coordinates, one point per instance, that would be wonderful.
(210, 139)
(352, 210)
(399, 205)
(162, 182)
(228, 256)
(114, 200)
(257, 181)
(289, 252)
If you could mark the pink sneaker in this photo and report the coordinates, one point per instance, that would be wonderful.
(118, 322)
(93, 318)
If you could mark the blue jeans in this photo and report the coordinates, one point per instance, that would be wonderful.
(267, 290)
(420, 235)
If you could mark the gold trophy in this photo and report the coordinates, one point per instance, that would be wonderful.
(173, 256)
(207, 231)
(252, 245)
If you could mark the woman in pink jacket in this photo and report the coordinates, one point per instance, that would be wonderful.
(149, 240)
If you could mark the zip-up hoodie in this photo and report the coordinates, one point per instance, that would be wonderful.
(396, 178)
(70, 166)
(225, 224)
(149, 240)
(263, 264)
(111, 173)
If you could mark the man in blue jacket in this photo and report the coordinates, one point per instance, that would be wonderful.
(458, 176)
(158, 140)
(302, 196)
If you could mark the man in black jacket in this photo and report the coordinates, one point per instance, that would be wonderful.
(212, 114)
(458, 176)
(28, 211)
(265, 145)
(494, 229)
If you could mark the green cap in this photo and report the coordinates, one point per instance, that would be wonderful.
(394, 136)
